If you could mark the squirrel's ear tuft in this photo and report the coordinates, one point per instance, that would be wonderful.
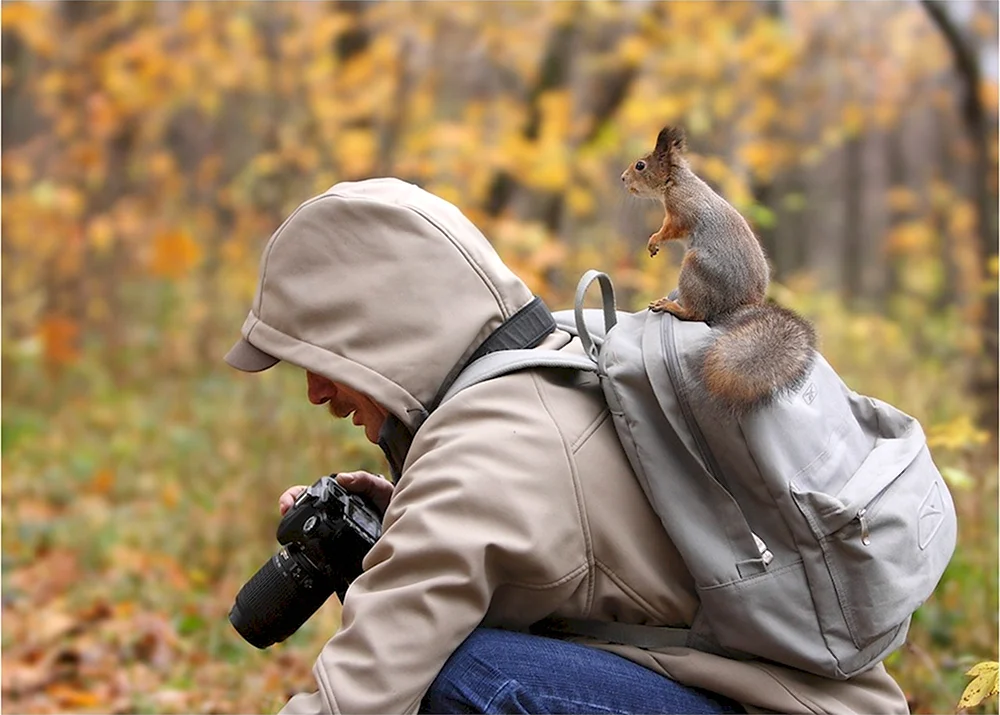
(670, 140)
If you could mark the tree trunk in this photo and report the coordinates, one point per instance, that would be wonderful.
(552, 74)
(898, 178)
(985, 383)
(852, 257)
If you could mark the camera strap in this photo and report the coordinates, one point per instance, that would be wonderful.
(394, 440)
(525, 329)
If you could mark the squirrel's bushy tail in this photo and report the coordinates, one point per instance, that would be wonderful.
(760, 352)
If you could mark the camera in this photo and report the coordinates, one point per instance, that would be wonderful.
(325, 534)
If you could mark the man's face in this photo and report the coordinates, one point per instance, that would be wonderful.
(343, 401)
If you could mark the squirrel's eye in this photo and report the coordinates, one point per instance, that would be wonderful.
(640, 165)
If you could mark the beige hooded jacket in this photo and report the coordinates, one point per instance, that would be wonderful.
(515, 502)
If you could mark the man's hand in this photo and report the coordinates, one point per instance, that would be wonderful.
(376, 488)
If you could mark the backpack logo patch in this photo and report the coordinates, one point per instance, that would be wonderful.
(930, 516)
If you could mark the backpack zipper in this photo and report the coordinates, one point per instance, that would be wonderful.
(866, 537)
(864, 521)
(674, 367)
(707, 458)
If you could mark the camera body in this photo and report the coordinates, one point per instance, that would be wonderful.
(325, 534)
(333, 529)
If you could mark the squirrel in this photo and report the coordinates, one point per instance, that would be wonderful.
(760, 350)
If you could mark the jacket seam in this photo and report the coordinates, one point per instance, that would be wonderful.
(256, 322)
(578, 494)
(808, 704)
(325, 688)
(630, 592)
(589, 430)
(320, 347)
(274, 242)
(550, 584)
(505, 309)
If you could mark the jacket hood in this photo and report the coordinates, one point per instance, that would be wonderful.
(381, 286)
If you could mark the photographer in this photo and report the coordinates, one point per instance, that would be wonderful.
(512, 504)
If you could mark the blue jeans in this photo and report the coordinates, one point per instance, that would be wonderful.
(496, 671)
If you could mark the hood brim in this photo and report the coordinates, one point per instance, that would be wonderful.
(244, 356)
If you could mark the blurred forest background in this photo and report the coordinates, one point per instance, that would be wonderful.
(150, 149)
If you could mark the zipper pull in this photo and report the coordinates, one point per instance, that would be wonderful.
(765, 553)
(866, 537)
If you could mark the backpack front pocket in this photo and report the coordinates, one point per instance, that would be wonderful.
(886, 534)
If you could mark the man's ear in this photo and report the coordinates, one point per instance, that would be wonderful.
(669, 141)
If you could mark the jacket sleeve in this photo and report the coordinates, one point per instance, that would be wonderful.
(458, 528)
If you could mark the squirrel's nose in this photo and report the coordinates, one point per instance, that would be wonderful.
(623, 176)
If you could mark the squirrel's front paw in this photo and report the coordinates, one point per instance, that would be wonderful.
(666, 305)
(653, 246)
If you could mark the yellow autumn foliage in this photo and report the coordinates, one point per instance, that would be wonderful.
(175, 253)
(150, 149)
(982, 687)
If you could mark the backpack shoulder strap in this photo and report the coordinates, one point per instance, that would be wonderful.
(507, 361)
(579, 322)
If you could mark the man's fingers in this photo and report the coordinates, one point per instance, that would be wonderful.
(288, 497)
(376, 488)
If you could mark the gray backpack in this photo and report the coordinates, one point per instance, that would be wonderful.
(813, 527)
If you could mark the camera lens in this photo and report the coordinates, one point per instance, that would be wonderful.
(279, 598)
